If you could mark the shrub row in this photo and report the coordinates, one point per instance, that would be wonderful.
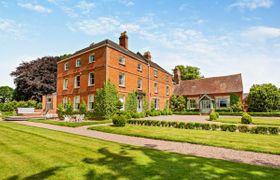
(208, 126)
(13, 105)
(187, 113)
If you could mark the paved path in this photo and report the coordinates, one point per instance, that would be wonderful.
(178, 147)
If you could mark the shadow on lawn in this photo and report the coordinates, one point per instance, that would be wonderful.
(170, 166)
(41, 175)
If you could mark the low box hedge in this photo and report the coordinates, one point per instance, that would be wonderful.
(187, 113)
(207, 126)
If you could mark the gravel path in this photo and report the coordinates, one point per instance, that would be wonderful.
(177, 147)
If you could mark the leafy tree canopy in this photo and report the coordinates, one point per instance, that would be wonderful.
(189, 72)
(263, 98)
(35, 78)
(6, 94)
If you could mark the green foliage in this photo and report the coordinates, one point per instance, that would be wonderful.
(64, 56)
(69, 110)
(228, 127)
(6, 94)
(119, 105)
(146, 106)
(264, 98)
(206, 126)
(13, 105)
(119, 120)
(131, 103)
(152, 106)
(234, 99)
(189, 72)
(106, 100)
(213, 116)
(243, 128)
(187, 113)
(83, 108)
(60, 111)
(178, 103)
(246, 119)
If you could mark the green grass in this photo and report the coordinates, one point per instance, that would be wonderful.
(71, 124)
(37, 153)
(232, 140)
(256, 121)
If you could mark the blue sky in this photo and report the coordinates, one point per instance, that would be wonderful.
(221, 37)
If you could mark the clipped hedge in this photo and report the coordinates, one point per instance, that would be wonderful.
(266, 114)
(187, 113)
(207, 126)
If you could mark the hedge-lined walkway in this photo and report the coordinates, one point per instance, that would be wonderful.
(182, 148)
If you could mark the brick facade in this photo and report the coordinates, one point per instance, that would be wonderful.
(106, 66)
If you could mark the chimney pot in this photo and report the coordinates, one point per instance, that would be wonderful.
(123, 40)
(148, 55)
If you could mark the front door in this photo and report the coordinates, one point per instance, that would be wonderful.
(140, 104)
(49, 104)
(205, 106)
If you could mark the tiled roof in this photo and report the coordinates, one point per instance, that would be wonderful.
(114, 45)
(212, 85)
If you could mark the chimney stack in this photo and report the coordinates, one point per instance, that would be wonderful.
(124, 40)
(177, 75)
(148, 55)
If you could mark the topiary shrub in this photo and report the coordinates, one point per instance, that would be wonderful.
(213, 116)
(243, 129)
(246, 119)
(261, 130)
(273, 130)
(181, 125)
(227, 127)
(214, 126)
(189, 125)
(205, 126)
(119, 120)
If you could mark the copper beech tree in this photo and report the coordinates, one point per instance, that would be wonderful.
(35, 78)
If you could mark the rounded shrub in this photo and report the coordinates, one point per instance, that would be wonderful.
(214, 126)
(273, 130)
(119, 120)
(246, 119)
(213, 116)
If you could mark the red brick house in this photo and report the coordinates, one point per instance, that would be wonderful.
(207, 93)
(81, 74)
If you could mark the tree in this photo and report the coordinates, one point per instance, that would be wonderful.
(263, 98)
(6, 94)
(35, 78)
(106, 101)
(189, 72)
(131, 103)
(177, 103)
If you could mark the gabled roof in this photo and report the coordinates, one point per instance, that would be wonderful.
(212, 85)
(116, 46)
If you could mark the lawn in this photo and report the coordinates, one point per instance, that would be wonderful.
(256, 121)
(71, 124)
(232, 140)
(36, 153)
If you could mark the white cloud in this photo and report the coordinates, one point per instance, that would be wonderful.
(251, 4)
(10, 27)
(35, 7)
(127, 2)
(85, 6)
(261, 33)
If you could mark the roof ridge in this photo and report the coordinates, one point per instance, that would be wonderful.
(213, 77)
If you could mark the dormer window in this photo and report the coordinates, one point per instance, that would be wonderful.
(78, 63)
(139, 67)
(91, 58)
(66, 67)
(122, 60)
(155, 72)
